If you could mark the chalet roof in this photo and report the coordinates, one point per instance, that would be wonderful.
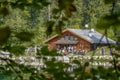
(66, 42)
(92, 36)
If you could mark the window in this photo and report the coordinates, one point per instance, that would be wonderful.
(62, 38)
(66, 37)
(71, 38)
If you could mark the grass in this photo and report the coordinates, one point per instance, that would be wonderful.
(98, 52)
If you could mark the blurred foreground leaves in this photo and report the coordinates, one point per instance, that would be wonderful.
(53, 69)
(108, 21)
(4, 34)
(25, 36)
(108, 1)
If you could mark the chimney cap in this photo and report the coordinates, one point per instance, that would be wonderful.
(92, 30)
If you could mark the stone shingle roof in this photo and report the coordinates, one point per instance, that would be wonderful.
(92, 36)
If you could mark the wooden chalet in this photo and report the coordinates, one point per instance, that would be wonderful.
(77, 40)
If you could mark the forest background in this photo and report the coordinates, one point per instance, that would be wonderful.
(35, 20)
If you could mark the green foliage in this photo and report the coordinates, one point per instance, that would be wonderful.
(50, 27)
(58, 28)
(4, 11)
(67, 6)
(17, 50)
(109, 21)
(87, 64)
(56, 69)
(108, 1)
(4, 34)
(25, 36)
(46, 52)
